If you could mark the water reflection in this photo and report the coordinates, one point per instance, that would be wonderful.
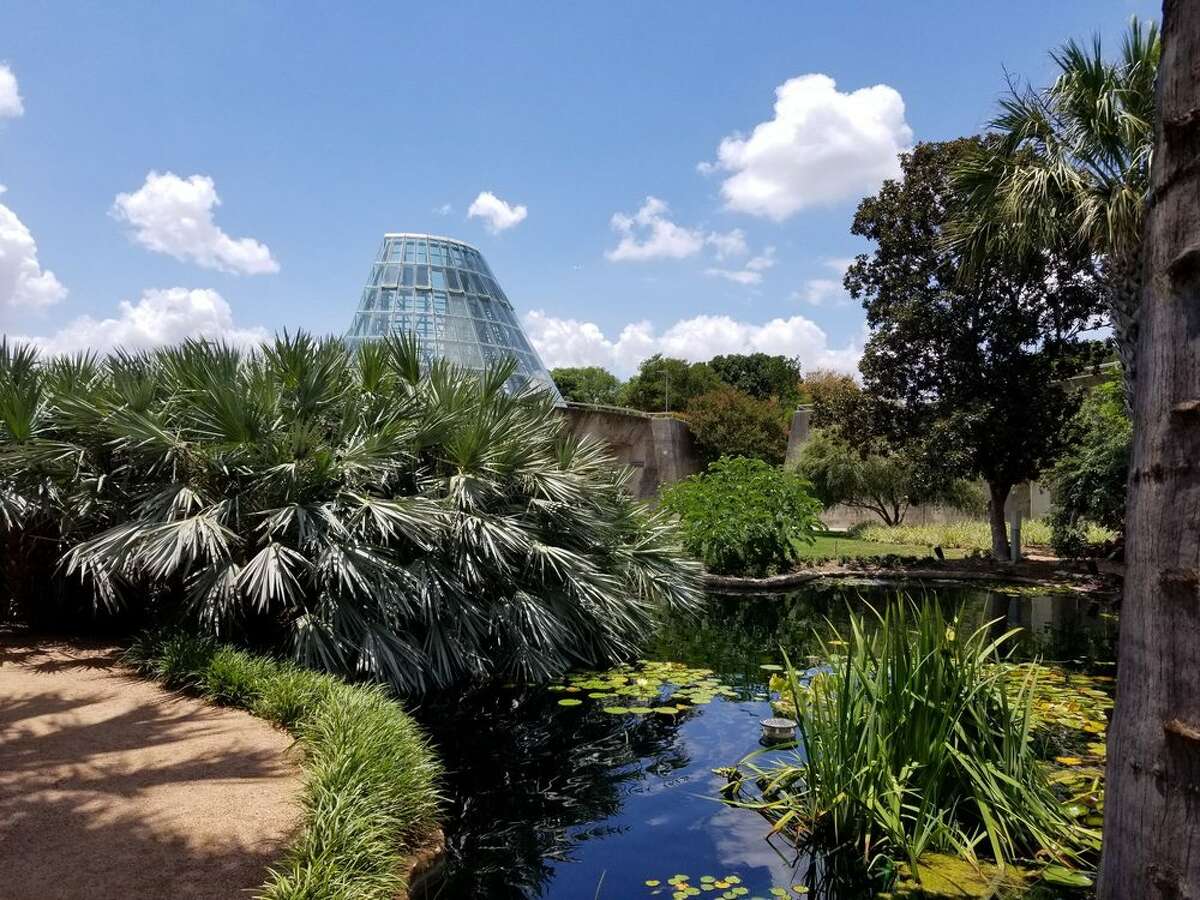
(572, 802)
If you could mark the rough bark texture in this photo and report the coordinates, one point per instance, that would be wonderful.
(1152, 809)
(997, 497)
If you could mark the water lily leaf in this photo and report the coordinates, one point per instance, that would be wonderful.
(1061, 875)
(616, 710)
(569, 701)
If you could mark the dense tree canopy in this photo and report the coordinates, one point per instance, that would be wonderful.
(728, 422)
(587, 384)
(1070, 168)
(966, 369)
(372, 518)
(666, 384)
(760, 375)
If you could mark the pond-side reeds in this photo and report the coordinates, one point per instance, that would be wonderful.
(915, 739)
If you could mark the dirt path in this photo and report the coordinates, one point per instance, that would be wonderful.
(111, 787)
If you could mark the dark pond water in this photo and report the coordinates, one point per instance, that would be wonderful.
(570, 801)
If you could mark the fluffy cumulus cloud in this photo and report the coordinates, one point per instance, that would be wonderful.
(826, 291)
(570, 342)
(750, 273)
(24, 284)
(159, 317)
(174, 215)
(823, 145)
(650, 234)
(10, 96)
(497, 215)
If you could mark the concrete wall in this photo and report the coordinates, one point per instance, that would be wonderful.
(659, 448)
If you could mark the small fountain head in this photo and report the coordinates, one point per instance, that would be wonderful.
(778, 731)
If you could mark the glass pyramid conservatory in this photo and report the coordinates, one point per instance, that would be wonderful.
(441, 291)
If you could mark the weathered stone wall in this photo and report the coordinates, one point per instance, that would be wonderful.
(659, 448)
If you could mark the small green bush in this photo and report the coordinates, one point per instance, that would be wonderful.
(744, 517)
(370, 791)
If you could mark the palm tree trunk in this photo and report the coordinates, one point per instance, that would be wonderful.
(1124, 278)
(1151, 837)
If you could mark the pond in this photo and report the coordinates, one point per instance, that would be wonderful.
(583, 790)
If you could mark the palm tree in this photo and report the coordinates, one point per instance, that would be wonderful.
(1069, 166)
(375, 516)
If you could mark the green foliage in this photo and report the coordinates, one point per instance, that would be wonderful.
(1070, 167)
(421, 527)
(666, 384)
(370, 788)
(587, 384)
(885, 483)
(744, 517)
(836, 399)
(966, 372)
(763, 376)
(1088, 481)
(727, 422)
(916, 740)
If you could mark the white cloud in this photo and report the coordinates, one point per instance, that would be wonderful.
(497, 215)
(751, 272)
(731, 243)
(160, 317)
(822, 146)
(824, 291)
(444, 210)
(174, 215)
(23, 281)
(10, 95)
(570, 342)
(650, 234)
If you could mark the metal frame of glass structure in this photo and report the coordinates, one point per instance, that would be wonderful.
(441, 291)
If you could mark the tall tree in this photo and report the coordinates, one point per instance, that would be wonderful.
(761, 375)
(667, 384)
(966, 370)
(587, 384)
(1151, 838)
(1071, 166)
(727, 422)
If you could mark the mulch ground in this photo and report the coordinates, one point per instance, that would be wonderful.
(111, 787)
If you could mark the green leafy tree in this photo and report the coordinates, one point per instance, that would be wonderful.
(419, 526)
(761, 375)
(836, 400)
(743, 516)
(1071, 168)
(872, 478)
(666, 384)
(1089, 479)
(727, 422)
(966, 372)
(587, 384)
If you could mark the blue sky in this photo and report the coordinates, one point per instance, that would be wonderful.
(320, 128)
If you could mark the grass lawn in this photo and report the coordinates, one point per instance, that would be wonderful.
(832, 544)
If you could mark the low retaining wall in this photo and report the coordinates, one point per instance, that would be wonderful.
(659, 448)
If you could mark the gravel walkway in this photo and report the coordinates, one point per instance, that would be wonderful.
(111, 787)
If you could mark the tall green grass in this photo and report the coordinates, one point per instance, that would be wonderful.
(966, 535)
(915, 740)
(370, 777)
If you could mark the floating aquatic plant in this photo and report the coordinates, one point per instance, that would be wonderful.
(645, 688)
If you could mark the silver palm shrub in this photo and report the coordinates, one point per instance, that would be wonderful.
(375, 515)
(1069, 165)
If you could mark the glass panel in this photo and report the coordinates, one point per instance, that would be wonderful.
(410, 252)
(452, 281)
(409, 276)
(423, 276)
(422, 252)
(456, 255)
(390, 274)
(438, 278)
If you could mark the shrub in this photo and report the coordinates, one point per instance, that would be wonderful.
(915, 740)
(744, 517)
(587, 384)
(1088, 481)
(727, 422)
(370, 789)
(422, 525)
